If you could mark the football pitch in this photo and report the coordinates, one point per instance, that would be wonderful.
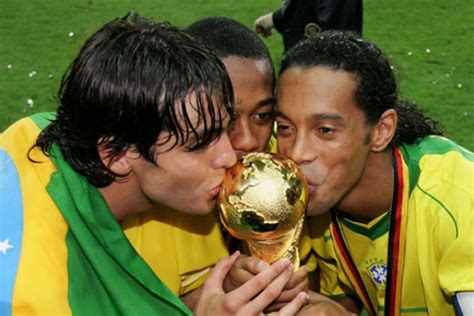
(429, 42)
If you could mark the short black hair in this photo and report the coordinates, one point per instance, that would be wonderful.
(228, 38)
(130, 82)
(376, 89)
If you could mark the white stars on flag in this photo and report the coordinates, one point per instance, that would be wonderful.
(4, 246)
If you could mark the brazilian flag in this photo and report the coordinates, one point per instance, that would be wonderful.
(61, 250)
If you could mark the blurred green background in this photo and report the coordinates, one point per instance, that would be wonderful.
(430, 43)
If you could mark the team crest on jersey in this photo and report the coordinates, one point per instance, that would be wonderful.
(378, 273)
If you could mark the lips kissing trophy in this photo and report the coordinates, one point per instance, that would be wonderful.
(262, 201)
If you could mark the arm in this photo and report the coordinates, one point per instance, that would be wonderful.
(277, 19)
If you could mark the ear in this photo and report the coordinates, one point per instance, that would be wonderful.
(384, 130)
(119, 164)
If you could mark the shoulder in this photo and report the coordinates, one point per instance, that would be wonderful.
(438, 163)
(440, 182)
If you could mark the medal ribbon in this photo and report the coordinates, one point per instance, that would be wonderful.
(396, 249)
(396, 241)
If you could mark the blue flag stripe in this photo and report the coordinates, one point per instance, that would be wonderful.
(11, 229)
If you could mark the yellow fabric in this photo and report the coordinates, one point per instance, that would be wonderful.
(439, 257)
(370, 255)
(39, 277)
(307, 257)
(333, 281)
(272, 143)
(179, 248)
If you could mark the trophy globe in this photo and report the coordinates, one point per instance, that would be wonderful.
(262, 201)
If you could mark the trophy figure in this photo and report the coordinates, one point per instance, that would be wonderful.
(263, 201)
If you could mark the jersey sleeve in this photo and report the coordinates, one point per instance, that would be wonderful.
(456, 269)
(449, 186)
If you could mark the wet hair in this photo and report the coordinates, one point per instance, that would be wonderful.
(376, 89)
(230, 38)
(133, 80)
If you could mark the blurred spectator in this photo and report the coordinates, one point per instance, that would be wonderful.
(297, 19)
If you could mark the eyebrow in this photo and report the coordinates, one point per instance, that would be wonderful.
(317, 116)
(262, 103)
(279, 114)
(266, 102)
(327, 116)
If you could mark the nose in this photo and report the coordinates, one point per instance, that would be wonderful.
(226, 156)
(242, 138)
(301, 151)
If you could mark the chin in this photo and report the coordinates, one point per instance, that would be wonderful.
(205, 209)
(316, 208)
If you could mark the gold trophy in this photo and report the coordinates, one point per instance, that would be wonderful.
(263, 201)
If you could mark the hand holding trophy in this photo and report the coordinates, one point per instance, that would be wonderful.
(263, 201)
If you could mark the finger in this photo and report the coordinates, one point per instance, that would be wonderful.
(216, 277)
(254, 264)
(288, 295)
(260, 282)
(239, 273)
(294, 306)
(297, 283)
(298, 277)
(274, 307)
(272, 291)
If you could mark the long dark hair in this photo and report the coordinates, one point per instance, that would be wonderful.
(376, 89)
(130, 82)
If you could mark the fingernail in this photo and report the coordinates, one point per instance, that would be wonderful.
(284, 262)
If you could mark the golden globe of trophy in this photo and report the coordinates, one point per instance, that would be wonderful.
(262, 201)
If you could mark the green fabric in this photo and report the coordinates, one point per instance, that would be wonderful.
(374, 232)
(43, 119)
(106, 275)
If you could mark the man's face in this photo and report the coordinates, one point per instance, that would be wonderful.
(252, 84)
(321, 128)
(181, 179)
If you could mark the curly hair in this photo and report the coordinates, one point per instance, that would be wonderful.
(376, 89)
(130, 82)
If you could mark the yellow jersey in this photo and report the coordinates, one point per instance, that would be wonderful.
(180, 248)
(436, 257)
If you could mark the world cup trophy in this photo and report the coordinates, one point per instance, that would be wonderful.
(262, 201)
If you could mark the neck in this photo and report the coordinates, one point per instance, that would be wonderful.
(373, 194)
(123, 198)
